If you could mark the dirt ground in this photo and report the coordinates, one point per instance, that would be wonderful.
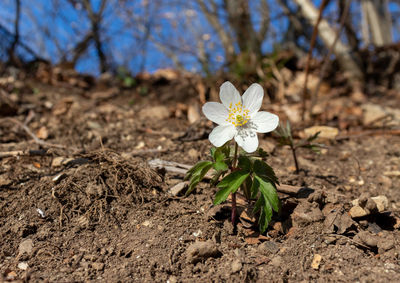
(85, 205)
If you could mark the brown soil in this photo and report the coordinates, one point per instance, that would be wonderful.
(108, 217)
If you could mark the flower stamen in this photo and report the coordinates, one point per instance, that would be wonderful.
(238, 115)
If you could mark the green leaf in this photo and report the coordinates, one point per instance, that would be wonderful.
(268, 191)
(255, 188)
(263, 170)
(222, 195)
(262, 153)
(265, 217)
(196, 169)
(197, 173)
(220, 166)
(212, 152)
(220, 156)
(313, 137)
(268, 200)
(230, 184)
(244, 163)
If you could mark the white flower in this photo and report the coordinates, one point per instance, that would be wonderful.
(238, 117)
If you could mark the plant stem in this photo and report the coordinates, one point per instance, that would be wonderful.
(295, 158)
(234, 209)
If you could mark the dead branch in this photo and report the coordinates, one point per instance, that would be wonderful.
(35, 138)
(22, 153)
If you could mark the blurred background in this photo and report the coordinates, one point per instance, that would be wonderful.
(204, 36)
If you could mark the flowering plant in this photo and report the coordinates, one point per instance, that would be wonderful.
(239, 118)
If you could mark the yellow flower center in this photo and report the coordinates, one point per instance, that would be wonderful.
(238, 115)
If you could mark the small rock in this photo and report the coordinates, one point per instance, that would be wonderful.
(276, 261)
(382, 203)
(23, 265)
(147, 223)
(268, 248)
(172, 279)
(357, 211)
(236, 265)
(367, 238)
(192, 153)
(25, 247)
(326, 133)
(387, 242)
(306, 213)
(98, 266)
(365, 206)
(59, 177)
(392, 173)
(58, 161)
(339, 222)
(318, 197)
(199, 251)
(178, 188)
(5, 180)
(380, 116)
(11, 276)
(155, 112)
(316, 261)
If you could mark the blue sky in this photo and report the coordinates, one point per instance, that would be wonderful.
(52, 29)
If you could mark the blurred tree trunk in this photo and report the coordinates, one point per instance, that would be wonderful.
(351, 35)
(11, 53)
(378, 20)
(95, 21)
(342, 51)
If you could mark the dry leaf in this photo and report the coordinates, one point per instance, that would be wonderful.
(42, 133)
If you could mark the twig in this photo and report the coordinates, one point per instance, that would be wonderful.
(22, 152)
(35, 138)
(137, 152)
(309, 56)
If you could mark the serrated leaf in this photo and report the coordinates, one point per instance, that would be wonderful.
(263, 170)
(222, 195)
(196, 169)
(255, 188)
(198, 175)
(265, 217)
(230, 184)
(244, 163)
(220, 166)
(259, 203)
(268, 191)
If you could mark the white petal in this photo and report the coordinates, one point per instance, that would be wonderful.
(221, 134)
(248, 142)
(252, 98)
(265, 122)
(216, 112)
(229, 94)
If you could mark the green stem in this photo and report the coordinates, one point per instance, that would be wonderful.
(234, 210)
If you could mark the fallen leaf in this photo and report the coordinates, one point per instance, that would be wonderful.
(42, 133)
(36, 164)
